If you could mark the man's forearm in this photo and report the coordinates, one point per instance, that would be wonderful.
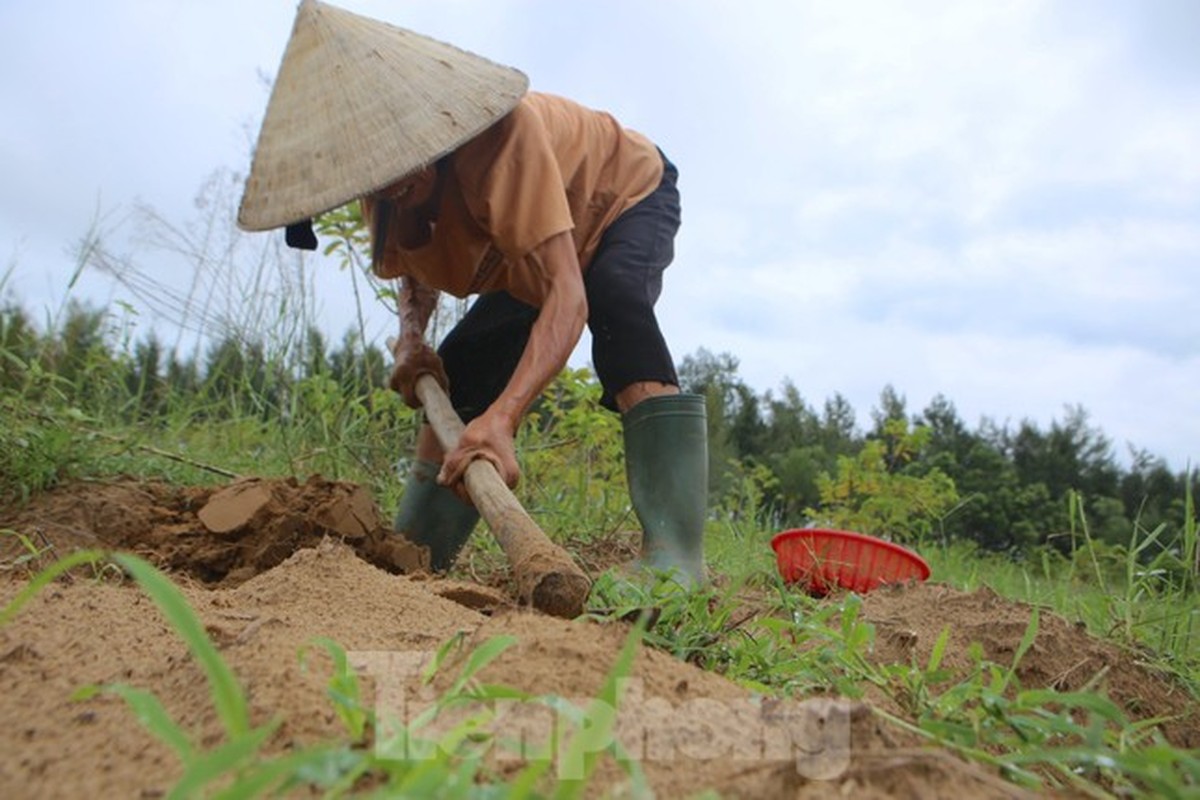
(416, 304)
(554, 334)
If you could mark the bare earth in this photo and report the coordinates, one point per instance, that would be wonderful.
(270, 564)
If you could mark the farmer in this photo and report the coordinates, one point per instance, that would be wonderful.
(552, 213)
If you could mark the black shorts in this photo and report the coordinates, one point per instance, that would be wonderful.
(623, 283)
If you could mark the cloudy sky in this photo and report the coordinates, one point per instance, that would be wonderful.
(998, 202)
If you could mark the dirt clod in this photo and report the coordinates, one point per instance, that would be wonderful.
(218, 536)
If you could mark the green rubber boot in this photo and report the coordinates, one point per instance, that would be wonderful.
(433, 516)
(666, 463)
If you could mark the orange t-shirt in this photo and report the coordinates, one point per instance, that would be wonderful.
(551, 165)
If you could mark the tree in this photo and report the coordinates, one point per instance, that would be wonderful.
(891, 428)
(1073, 455)
(236, 373)
(1148, 490)
(866, 496)
(798, 472)
(19, 345)
(715, 377)
(358, 369)
(791, 448)
(143, 382)
(182, 377)
(790, 421)
(839, 428)
(947, 433)
(985, 479)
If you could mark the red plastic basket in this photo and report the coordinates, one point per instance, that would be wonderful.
(823, 559)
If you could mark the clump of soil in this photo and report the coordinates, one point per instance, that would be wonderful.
(219, 536)
(270, 565)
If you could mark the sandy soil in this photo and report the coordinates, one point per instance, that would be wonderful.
(269, 565)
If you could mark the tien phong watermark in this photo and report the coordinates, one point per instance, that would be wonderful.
(414, 722)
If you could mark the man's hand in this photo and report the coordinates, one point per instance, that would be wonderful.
(489, 436)
(414, 358)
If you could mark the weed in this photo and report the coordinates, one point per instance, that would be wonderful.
(29, 552)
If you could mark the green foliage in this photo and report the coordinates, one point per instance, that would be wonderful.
(1139, 579)
(343, 689)
(38, 450)
(46, 386)
(874, 494)
(746, 500)
(1079, 740)
(572, 454)
(84, 397)
(1141, 594)
(798, 472)
(346, 233)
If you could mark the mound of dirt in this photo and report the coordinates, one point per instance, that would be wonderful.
(1063, 657)
(220, 536)
(88, 632)
(94, 632)
(270, 565)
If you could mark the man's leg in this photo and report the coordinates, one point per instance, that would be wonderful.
(666, 451)
(479, 356)
(432, 515)
(666, 463)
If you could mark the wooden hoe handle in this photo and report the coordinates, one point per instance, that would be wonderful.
(546, 576)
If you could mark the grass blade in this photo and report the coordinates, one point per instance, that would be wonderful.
(939, 651)
(342, 688)
(219, 761)
(596, 733)
(1027, 639)
(479, 658)
(227, 694)
(150, 712)
(50, 573)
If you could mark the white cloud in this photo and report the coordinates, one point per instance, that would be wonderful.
(996, 201)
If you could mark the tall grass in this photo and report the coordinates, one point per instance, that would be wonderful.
(247, 386)
(1142, 594)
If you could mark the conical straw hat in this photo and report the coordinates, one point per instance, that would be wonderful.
(357, 105)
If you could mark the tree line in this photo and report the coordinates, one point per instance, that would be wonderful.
(1005, 487)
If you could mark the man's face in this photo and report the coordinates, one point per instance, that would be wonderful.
(411, 192)
(406, 208)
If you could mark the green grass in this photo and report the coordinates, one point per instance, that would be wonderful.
(793, 645)
(1150, 604)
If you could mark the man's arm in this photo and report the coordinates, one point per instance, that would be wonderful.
(416, 304)
(554, 335)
